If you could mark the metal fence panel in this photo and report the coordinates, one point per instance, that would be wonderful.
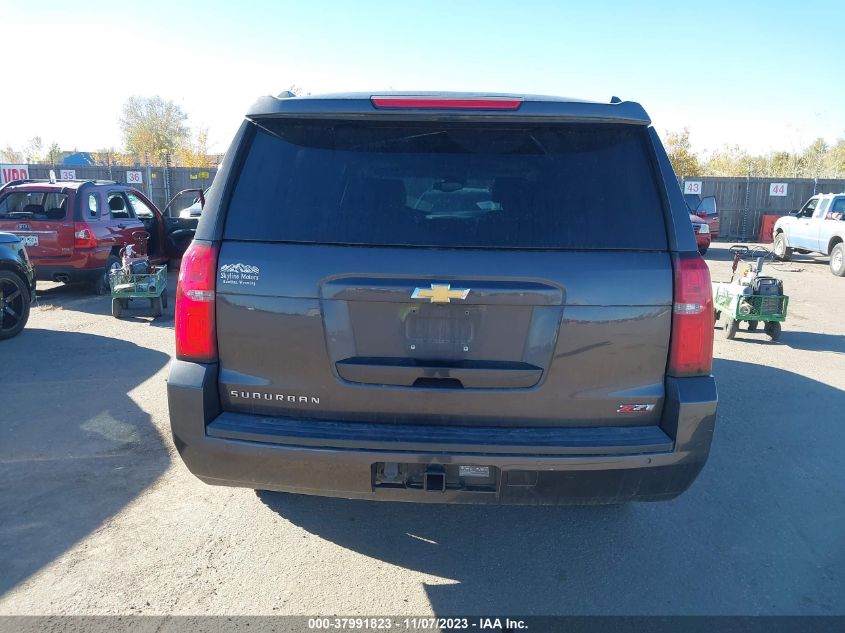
(158, 183)
(743, 202)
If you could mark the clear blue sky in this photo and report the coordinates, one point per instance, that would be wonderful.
(761, 76)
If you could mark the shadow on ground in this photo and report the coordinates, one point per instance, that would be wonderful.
(74, 448)
(761, 531)
(81, 298)
(808, 341)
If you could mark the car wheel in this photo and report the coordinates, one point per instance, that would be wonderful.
(731, 327)
(837, 260)
(716, 315)
(703, 250)
(782, 251)
(752, 325)
(103, 286)
(773, 329)
(14, 304)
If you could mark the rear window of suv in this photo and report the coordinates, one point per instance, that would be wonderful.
(564, 186)
(33, 205)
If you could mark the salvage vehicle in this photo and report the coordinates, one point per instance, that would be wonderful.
(818, 227)
(443, 298)
(702, 233)
(17, 285)
(74, 229)
(706, 209)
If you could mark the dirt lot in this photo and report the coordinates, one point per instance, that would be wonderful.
(99, 516)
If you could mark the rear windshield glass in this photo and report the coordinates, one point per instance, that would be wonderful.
(33, 205)
(451, 185)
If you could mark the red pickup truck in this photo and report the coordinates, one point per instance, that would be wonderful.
(74, 230)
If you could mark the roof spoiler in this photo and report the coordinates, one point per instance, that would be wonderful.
(532, 108)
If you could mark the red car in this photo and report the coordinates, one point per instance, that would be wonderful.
(705, 208)
(74, 230)
(702, 233)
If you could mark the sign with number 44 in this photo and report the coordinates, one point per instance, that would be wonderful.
(778, 189)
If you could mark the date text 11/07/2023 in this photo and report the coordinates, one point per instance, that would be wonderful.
(416, 624)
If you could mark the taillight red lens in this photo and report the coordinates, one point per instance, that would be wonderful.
(447, 103)
(691, 347)
(83, 236)
(196, 332)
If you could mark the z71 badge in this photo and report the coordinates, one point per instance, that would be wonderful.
(634, 408)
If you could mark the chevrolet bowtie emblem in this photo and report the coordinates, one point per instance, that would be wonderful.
(440, 293)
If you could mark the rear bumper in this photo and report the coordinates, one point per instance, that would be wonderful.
(337, 459)
(85, 264)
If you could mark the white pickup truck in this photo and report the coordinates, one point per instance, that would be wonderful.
(817, 227)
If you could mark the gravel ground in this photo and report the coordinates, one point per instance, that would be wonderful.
(99, 516)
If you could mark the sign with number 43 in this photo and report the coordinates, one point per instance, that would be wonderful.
(692, 186)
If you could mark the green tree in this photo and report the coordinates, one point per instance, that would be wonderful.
(54, 153)
(32, 150)
(195, 153)
(153, 128)
(729, 160)
(813, 159)
(835, 160)
(684, 160)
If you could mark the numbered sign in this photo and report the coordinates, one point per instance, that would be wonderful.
(134, 177)
(67, 174)
(692, 186)
(777, 189)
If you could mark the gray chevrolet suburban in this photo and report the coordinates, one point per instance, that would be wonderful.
(445, 298)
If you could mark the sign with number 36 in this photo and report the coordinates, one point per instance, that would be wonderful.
(134, 177)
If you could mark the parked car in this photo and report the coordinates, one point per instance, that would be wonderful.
(706, 209)
(194, 210)
(370, 325)
(17, 285)
(74, 229)
(702, 233)
(817, 227)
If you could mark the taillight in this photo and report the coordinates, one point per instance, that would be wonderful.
(691, 347)
(448, 103)
(196, 335)
(83, 236)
